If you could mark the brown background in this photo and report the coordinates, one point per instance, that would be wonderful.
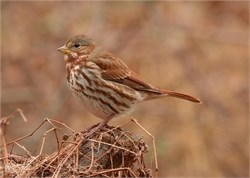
(200, 48)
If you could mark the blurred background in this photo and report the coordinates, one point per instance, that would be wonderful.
(199, 48)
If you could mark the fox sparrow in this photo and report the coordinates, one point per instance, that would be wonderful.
(104, 84)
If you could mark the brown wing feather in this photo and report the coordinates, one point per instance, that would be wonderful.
(134, 81)
(115, 70)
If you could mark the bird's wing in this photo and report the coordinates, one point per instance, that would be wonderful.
(113, 69)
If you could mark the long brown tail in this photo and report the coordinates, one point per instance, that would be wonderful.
(181, 96)
(162, 93)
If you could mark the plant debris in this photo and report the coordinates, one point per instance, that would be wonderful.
(108, 152)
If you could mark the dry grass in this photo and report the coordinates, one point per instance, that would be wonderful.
(106, 153)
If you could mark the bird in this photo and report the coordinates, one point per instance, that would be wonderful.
(105, 85)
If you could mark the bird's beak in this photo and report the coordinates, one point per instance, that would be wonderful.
(64, 49)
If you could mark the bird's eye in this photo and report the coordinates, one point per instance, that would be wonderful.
(77, 45)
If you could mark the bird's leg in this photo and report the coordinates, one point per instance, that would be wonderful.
(99, 126)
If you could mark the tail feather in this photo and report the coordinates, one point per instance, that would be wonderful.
(181, 96)
(163, 93)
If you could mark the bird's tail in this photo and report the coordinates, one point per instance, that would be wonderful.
(163, 93)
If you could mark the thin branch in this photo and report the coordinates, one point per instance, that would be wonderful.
(154, 147)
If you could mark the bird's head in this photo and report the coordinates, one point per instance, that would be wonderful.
(78, 47)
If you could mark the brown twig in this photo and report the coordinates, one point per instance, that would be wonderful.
(60, 165)
(92, 157)
(28, 135)
(105, 143)
(113, 170)
(22, 115)
(154, 147)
